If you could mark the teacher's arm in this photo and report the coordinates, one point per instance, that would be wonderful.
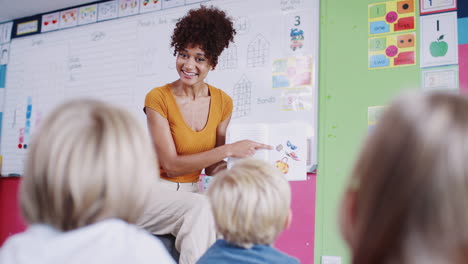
(176, 165)
(220, 141)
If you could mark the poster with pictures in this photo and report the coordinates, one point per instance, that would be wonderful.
(391, 17)
(50, 22)
(88, 14)
(128, 7)
(437, 6)
(439, 39)
(297, 39)
(107, 10)
(149, 5)
(440, 79)
(392, 51)
(69, 18)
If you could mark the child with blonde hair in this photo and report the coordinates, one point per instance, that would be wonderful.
(251, 205)
(88, 175)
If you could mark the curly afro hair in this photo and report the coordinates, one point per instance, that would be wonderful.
(209, 28)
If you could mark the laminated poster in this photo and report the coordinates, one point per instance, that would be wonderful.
(439, 39)
(107, 10)
(292, 72)
(150, 5)
(440, 79)
(437, 6)
(88, 14)
(374, 114)
(69, 18)
(50, 22)
(391, 17)
(392, 51)
(128, 7)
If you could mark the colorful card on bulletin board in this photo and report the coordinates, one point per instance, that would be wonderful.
(69, 18)
(439, 39)
(392, 51)
(50, 22)
(440, 79)
(107, 10)
(4, 56)
(149, 5)
(292, 72)
(5, 32)
(128, 7)
(27, 26)
(437, 6)
(391, 17)
(88, 14)
(297, 39)
(374, 113)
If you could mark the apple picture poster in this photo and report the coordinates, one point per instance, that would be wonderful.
(439, 40)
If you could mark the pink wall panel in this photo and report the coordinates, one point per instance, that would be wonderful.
(10, 218)
(298, 240)
(463, 67)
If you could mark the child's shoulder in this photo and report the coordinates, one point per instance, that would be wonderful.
(225, 252)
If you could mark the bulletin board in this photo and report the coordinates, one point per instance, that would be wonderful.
(119, 50)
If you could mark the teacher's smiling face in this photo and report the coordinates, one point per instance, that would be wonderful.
(192, 65)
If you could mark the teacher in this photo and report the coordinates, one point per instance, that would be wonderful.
(188, 118)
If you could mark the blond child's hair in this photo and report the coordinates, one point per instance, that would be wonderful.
(89, 161)
(251, 203)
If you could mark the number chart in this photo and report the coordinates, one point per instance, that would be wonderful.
(392, 40)
(391, 17)
(392, 50)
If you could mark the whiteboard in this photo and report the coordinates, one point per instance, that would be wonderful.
(120, 60)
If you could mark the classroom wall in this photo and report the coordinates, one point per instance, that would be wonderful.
(346, 89)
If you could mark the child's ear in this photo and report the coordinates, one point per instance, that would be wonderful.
(347, 216)
(288, 222)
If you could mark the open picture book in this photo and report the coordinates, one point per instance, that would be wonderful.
(289, 142)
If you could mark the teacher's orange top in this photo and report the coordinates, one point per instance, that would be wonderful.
(188, 141)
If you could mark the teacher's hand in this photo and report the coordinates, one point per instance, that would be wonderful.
(245, 148)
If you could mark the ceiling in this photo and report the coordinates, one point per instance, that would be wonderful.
(13, 9)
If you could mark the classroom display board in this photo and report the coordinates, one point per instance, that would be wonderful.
(270, 71)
